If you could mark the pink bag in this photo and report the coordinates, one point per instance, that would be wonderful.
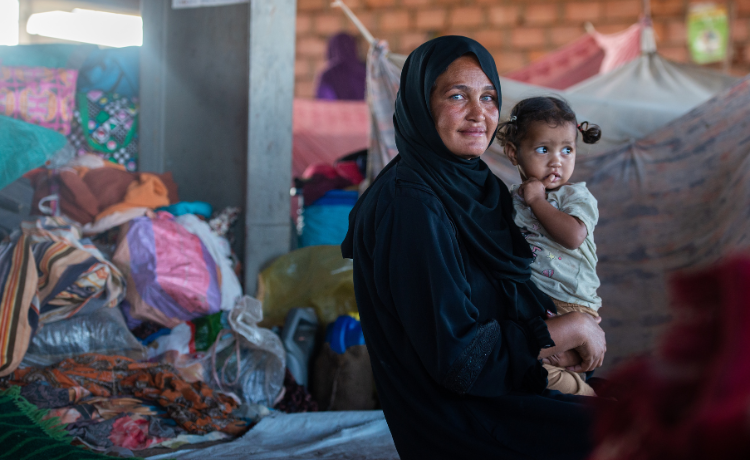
(171, 276)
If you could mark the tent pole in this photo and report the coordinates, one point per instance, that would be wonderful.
(647, 8)
(361, 27)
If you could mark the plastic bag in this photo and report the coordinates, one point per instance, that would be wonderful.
(316, 277)
(104, 331)
(171, 275)
(247, 360)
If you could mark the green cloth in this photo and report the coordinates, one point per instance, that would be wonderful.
(24, 146)
(24, 435)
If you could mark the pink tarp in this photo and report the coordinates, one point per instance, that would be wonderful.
(592, 54)
(324, 131)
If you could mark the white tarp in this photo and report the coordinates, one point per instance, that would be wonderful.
(361, 435)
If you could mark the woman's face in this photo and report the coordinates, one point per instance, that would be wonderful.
(464, 107)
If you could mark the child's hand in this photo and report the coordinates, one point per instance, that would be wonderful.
(534, 189)
(565, 359)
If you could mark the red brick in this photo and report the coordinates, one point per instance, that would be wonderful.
(395, 21)
(311, 46)
(490, 38)
(746, 54)
(416, 2)
(409, 42)
(742, 7)
(660, 31)
(536, 55)
(367, 18)
(505, 15)
(613, 28)
(311, 5)
(667, 8)
(304, 24)
(380, 3)
(540, 14)
(676, 32)
(675, 53)
(588, 11)
(509, 61)
(301, 68)
(564, 35)
(329, 23)
(304, 89)
(740, 30)
(469, 16)
(527, 37)
(432, 19)
(623, 9)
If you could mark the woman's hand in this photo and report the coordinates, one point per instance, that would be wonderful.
(593, 348)
(565, 359)
(579, 332)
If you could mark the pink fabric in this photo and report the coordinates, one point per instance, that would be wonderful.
(590, 55)
(619, 48)
(327, 130)
(181, 273)
(131, 432)
(39, 95)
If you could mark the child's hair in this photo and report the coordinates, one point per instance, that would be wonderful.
(550, 110)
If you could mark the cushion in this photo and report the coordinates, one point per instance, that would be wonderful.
(39, 95)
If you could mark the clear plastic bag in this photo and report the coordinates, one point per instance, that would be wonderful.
(247, 360)
(103, 331)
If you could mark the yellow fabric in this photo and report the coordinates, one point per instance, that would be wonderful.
(147, 192)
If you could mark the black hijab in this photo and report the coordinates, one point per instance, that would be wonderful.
(477, 202)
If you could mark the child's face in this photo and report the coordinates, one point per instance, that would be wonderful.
(546, 150)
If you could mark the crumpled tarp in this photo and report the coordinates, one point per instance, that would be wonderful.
(363, 435)
(592, 54)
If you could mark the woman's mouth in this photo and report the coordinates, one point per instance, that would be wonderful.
(474, 132)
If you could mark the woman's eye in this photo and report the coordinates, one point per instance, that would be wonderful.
(567, 151)
(541, 150)
(488, 98)
(456, 97)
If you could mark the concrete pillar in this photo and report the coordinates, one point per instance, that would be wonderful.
(269, 149)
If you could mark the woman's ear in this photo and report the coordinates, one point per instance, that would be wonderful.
(511, 152)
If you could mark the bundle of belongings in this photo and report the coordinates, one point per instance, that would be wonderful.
(328, 193)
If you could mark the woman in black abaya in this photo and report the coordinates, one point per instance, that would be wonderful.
(455, 329)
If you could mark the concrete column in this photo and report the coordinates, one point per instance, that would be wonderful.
(269, 149)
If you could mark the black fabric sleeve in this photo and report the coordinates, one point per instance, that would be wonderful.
(419, 268)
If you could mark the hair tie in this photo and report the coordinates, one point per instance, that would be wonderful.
(513, 119)
(581, 128)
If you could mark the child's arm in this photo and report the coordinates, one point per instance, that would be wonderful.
(563, 228)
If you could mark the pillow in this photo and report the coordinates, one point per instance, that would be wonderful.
(106, 124)
(39, 95)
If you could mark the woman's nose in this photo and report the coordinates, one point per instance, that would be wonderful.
(476, 111)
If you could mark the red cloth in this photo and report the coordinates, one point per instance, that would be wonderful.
(692, 399)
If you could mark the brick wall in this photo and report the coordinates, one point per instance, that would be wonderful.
(515, 31)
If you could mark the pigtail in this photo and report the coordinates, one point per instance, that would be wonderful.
(507, 132)
(590, 133)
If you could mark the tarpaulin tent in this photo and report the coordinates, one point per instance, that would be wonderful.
(590, 55)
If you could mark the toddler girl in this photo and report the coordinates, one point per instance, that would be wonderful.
(556, 217)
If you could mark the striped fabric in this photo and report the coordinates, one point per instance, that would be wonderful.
(19, 307)
(72, 271)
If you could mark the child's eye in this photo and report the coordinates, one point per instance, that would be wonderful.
(567, 151)
(541, 150)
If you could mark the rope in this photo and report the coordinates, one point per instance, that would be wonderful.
(361, 27)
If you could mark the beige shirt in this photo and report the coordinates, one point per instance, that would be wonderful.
(565, 274)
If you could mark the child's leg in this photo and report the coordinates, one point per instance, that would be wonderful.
(567, 382)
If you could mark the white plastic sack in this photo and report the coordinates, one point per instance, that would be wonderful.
(221, 252)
